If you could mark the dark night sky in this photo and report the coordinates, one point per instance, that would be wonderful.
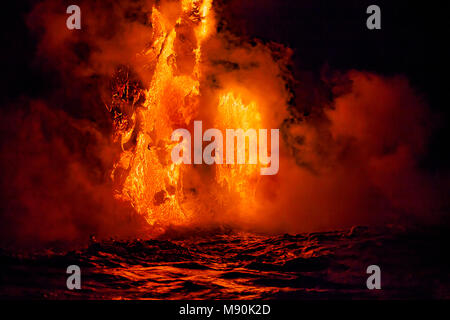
(412, 42)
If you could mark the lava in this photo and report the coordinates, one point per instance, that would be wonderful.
(175, 99)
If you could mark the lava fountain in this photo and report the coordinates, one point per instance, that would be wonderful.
(194, 76)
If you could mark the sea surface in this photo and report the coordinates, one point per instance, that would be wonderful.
(236, 265)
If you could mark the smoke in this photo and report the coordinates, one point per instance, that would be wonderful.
(351, 159)
(54, 186)
(356, 160)
(56, 147)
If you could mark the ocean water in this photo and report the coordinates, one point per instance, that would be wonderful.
(236, 265)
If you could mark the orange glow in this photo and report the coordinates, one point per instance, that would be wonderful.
(151, 182)
(233, 113)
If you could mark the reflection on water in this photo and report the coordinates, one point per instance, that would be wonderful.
(239, 266)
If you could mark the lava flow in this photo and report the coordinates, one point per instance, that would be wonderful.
(191, 79)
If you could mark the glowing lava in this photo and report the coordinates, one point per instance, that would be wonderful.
(145, 175)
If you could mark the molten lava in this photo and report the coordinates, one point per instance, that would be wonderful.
(178, 94)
